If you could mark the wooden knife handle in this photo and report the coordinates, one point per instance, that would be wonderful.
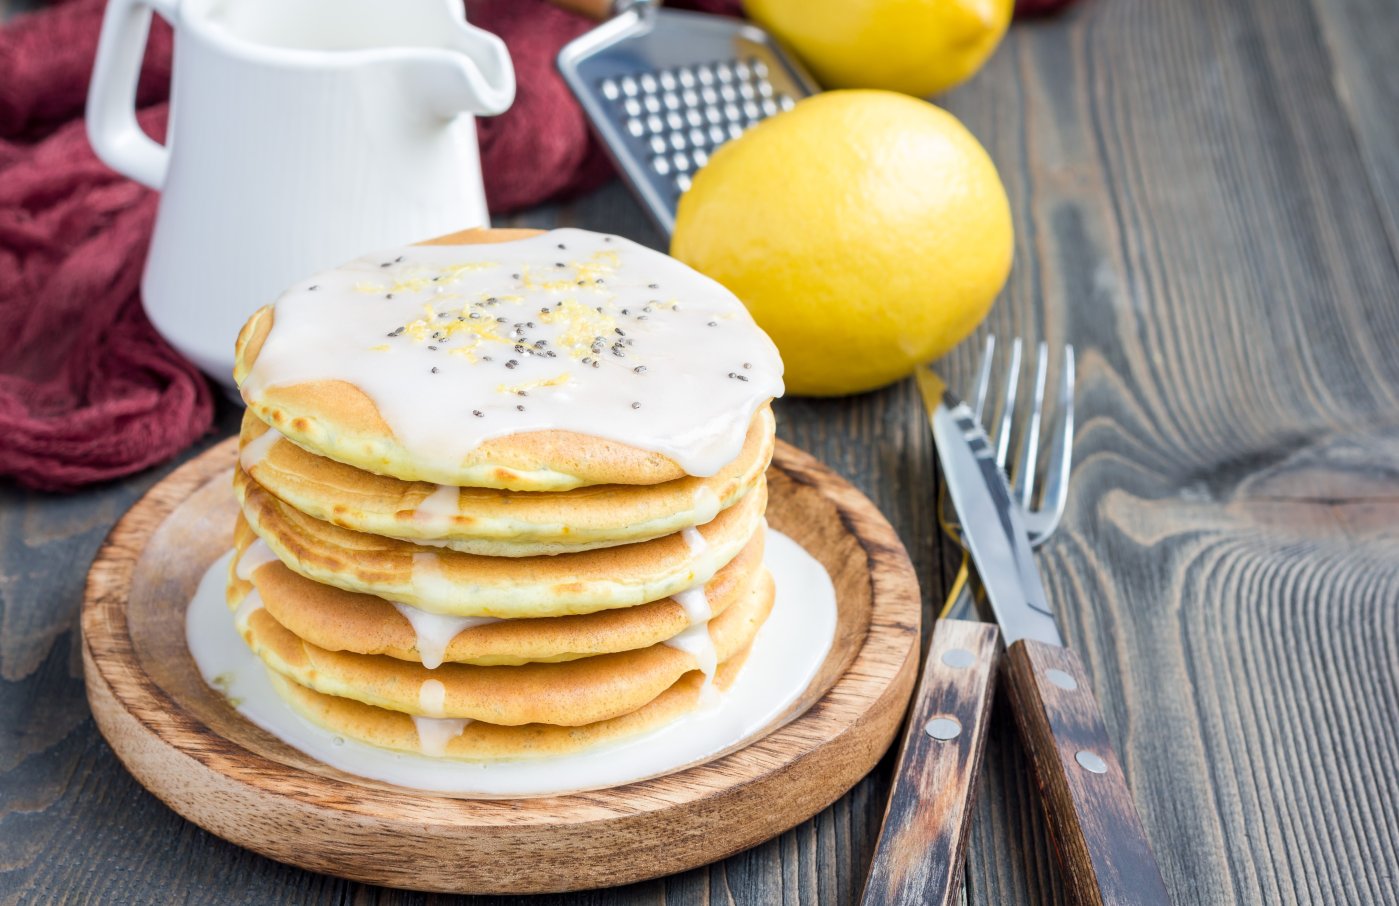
(918, 857)
(1103, 850)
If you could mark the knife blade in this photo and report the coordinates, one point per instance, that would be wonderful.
(1098, 835)
(992, 524)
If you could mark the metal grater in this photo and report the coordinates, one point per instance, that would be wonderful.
(663, 88)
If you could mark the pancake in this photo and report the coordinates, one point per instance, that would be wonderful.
(493, 522)
(449, 582)
(412, 363)
(478, 741)
(339, 620)
(571, 693)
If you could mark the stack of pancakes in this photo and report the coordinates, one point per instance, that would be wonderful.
(547, 590)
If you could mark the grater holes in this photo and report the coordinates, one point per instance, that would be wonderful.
(678, 116)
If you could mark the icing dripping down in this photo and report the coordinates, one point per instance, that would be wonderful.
(247, 607)
(695, 540)
(434, 733)
(441, 504)
(257, 449)
(696, 604)
(697, 642)
(432, 697)
(706, 504)
(435, 631)
(256, 555)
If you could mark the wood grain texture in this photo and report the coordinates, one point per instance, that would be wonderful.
(1198, 213)
(181, 740)
(918, 855)
(1105, 858)
(1204, 194)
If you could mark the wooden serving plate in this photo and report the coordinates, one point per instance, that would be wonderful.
(187, 746)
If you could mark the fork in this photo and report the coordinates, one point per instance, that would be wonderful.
(918, 856)
(1041, 517)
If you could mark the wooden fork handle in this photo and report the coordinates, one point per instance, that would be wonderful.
(918, 857)
(1103, 850)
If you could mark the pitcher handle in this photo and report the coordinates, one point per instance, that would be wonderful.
(111, 99)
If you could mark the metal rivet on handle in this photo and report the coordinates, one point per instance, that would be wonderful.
(1061, 679)
(1091, 762)
(958, 657)
(943, 728)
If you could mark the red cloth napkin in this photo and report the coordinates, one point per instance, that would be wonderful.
(88, 391)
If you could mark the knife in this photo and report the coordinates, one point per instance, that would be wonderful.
(1102, 846)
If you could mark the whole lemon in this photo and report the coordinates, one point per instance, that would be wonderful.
(866, 231)
(919, 47)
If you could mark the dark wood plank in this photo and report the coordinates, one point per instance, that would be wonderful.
(1204, 193)
(1201, 214)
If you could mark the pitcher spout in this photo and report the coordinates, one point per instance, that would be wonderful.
(472, 75)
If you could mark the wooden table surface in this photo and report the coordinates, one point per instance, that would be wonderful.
(1206, 196)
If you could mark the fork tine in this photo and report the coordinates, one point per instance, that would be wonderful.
(1059, 461)
(983, 377)
(1000, 438)
(1026, 460)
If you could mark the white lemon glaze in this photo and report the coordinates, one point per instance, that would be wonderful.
(254, 556)
(435, 631)
(786, 654)
(570, 331)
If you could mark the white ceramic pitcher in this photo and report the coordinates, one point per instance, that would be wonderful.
(302, 134)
